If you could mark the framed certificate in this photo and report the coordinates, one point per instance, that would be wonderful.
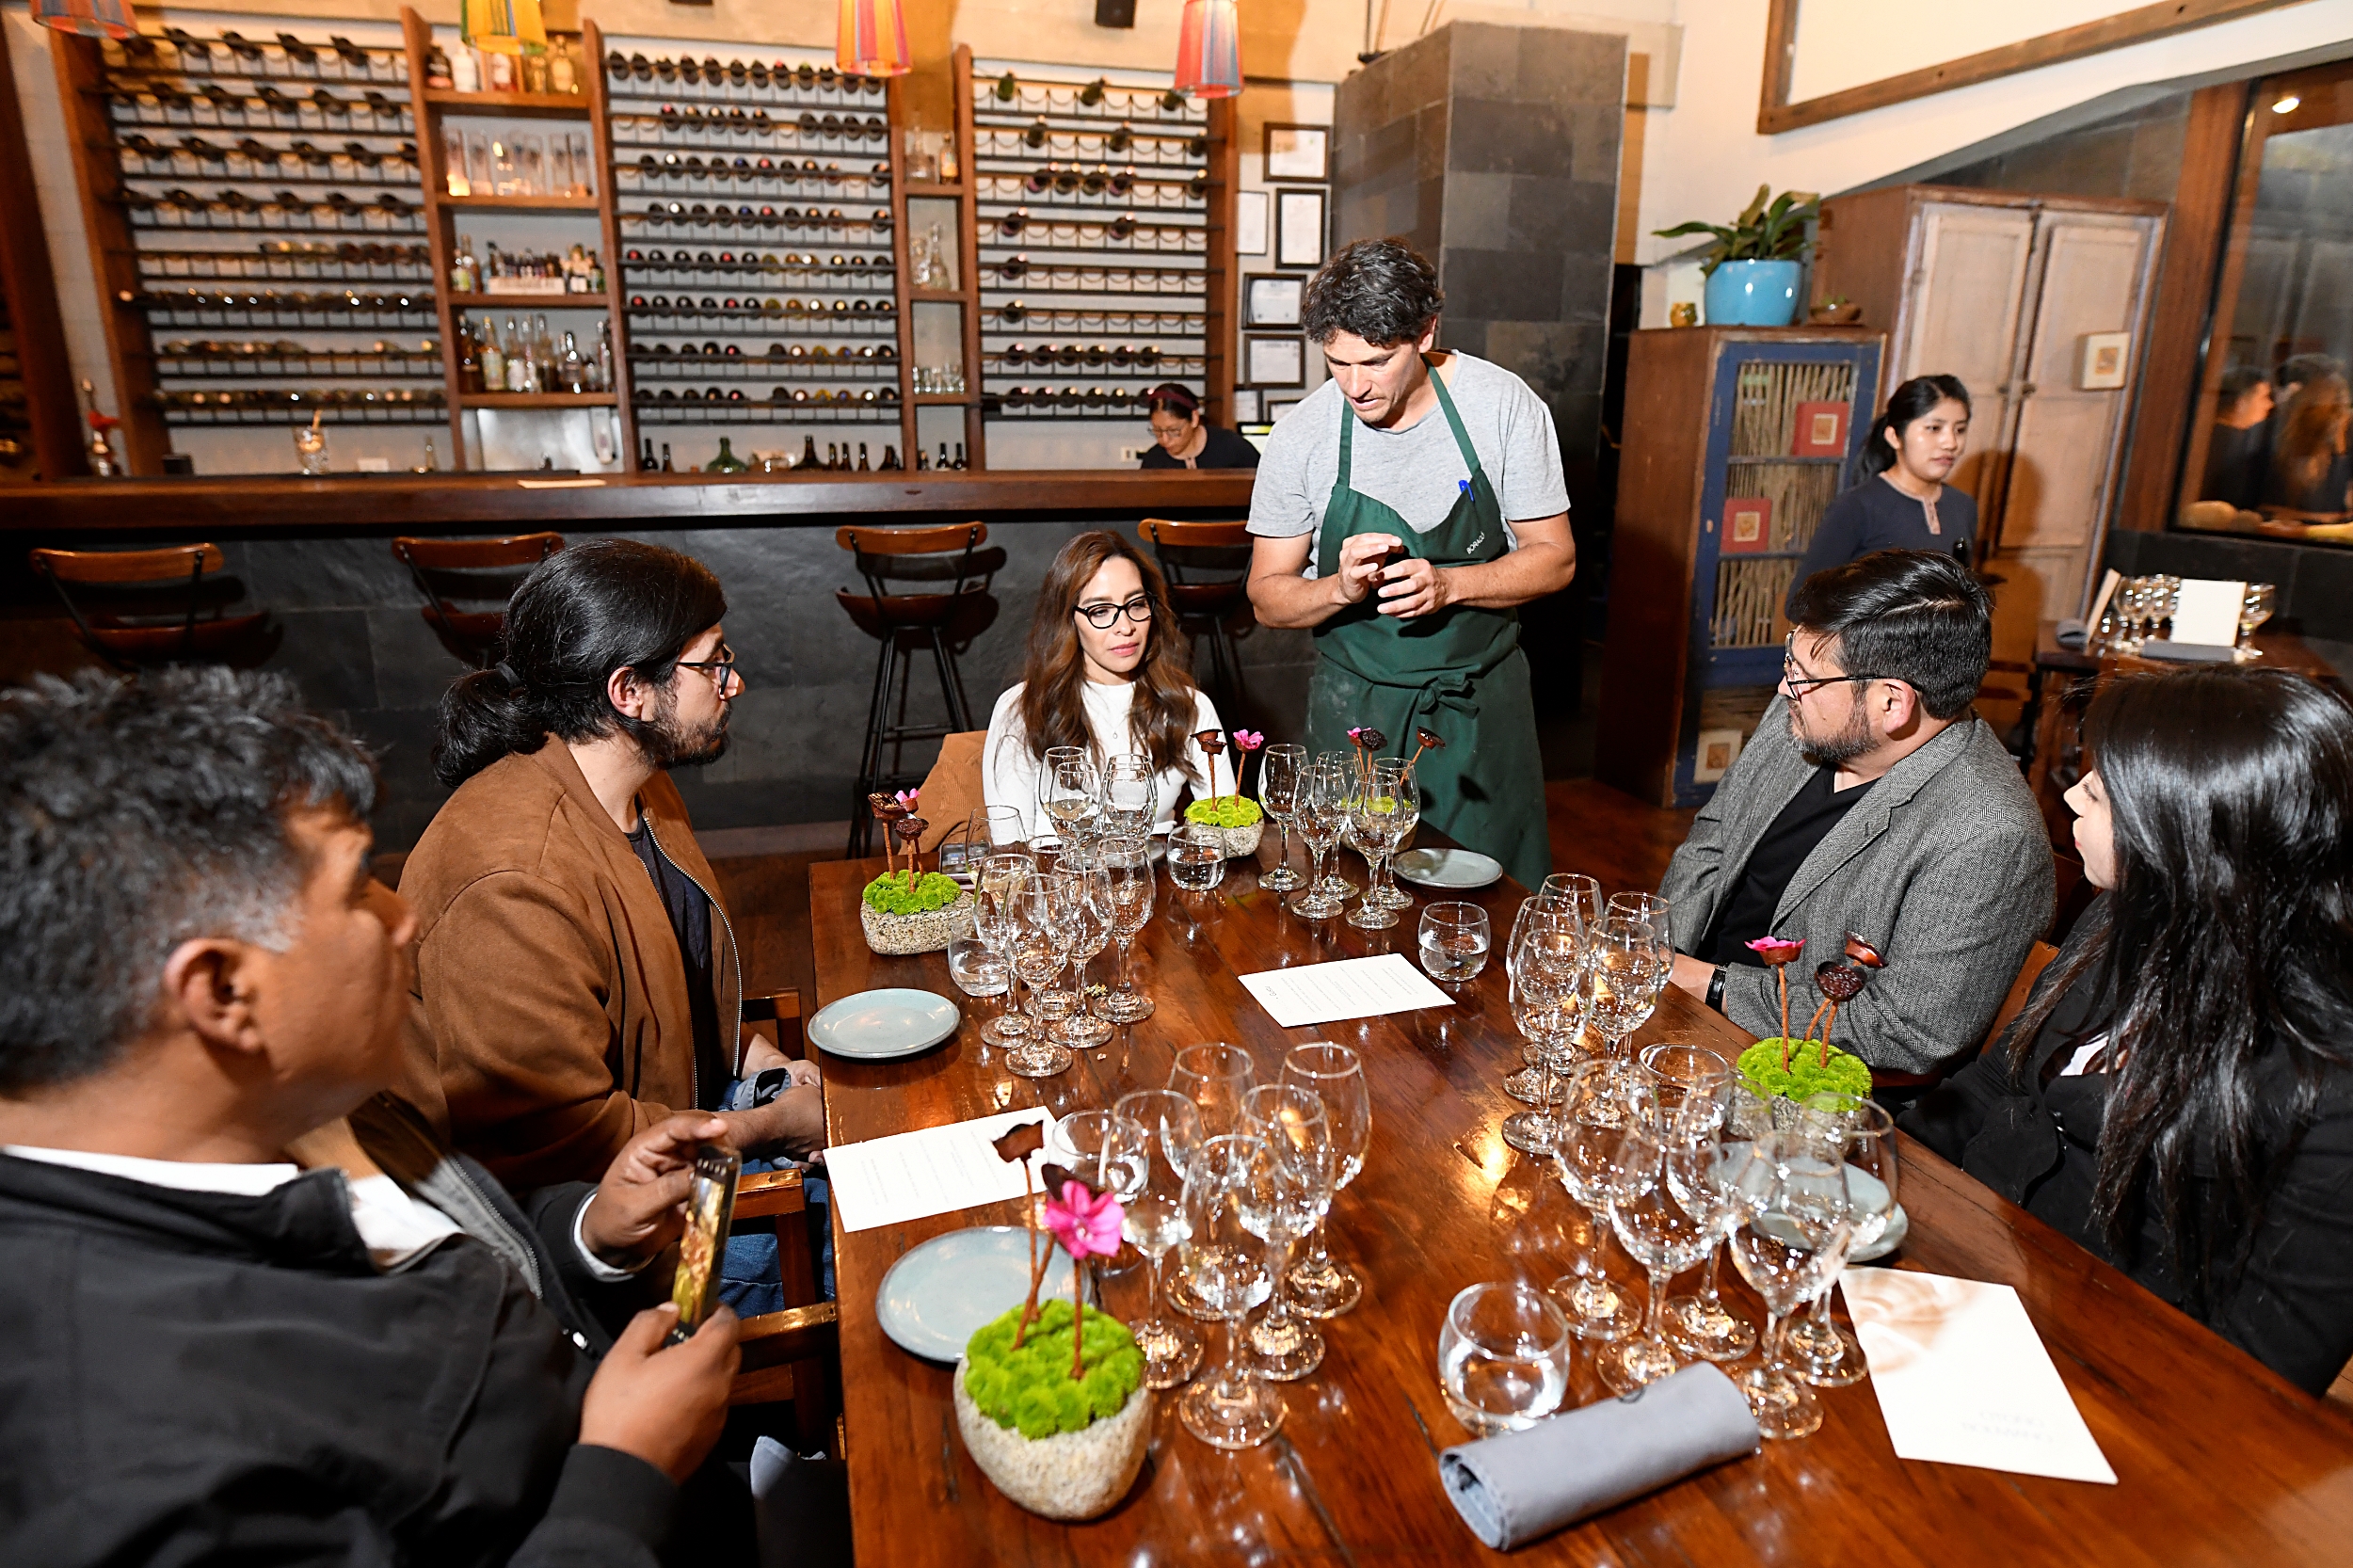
(1747, 524)
(1275, 361)
(1298, 152)
(1250, 224)
(1272, 300)
(1248, 408)
(1299, 228)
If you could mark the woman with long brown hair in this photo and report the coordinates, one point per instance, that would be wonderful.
(2311, 473)
(1107, 670)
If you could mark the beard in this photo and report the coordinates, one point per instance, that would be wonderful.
(1830, 751)
(670, 743)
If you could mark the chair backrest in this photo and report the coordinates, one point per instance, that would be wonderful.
(516, 550)
(2037, 959)
(1196, 562)
(932, 554)
(470, 634)
(158, 586)
(1193, 536)
(122, 567)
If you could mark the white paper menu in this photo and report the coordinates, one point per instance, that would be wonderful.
(1962, 1377)
(1343, 988)
(934, 1170)
(2207, 611)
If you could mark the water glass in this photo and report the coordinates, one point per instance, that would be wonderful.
(1322, 1286)
(1230, 1188)
(1789, 1246)
(1455, 939)
(310, 448)
(1280, 773)
(1503, 1357)
(1286, 1345)
(1126, 882)
(1165, 1130)
(1196, 857)
(1213, 1076)
(1131, 794)
(978, 969)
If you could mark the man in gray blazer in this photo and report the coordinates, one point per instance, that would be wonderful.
(1871, 800)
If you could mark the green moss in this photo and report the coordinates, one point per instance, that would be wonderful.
(901, 893)
(1225, 811)
(1030, 1389)
(1761, 1066)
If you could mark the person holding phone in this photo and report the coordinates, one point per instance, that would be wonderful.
(1404, 511)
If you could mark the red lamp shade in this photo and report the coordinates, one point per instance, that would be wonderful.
(873, 39)
(1209, 50)
(90, 18)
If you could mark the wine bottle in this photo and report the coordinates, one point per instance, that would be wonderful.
(942, 463)
(809, 452)
(862, 465)
(960, 462)
(645, 463)
(468, 363)
(665, 458)
(493, 356)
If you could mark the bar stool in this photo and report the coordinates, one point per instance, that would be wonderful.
(457, 565)
(143, 607)
(1207, 593)
(902, 622)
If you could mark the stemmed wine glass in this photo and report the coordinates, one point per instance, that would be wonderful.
(1165, 1129)
(1280, 775)
(1131, 795)
(1351, 784)
(1072, 797)
(1230, 1188)
(1655, 1230)
(1043, 935)
(1377, 817)
(1523, 1084)
(995, 830)
(1050, 769)
(996, 920)
(1624, 977)
(1213, 1076)
(1403, 818)
(1126, 880)
(1091, 932)
(2255, 609)
(1286, 1345)
(1322, 814)
(1546, 983)
(1698, 1091)
(1861, 1134)
(1322, 1286)
(1602, 1093)
(1791, 1241)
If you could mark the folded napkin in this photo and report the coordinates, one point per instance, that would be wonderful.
(2186, 653)
(1512, 1489)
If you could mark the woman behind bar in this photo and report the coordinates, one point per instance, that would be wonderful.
(2178, 1093)
(1903, 502)
(1180, 439)
(1108, 671)
(2311, 473)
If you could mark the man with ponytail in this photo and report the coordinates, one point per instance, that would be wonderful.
(577, 975)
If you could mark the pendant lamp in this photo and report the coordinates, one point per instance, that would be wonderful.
(1209, 50)
(90, 18)
(503, 26)
(873, 39)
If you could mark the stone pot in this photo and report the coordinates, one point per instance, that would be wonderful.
(929, 932)
(1070, 1475)
(1753, 293)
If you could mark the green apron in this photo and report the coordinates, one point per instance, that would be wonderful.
(1459, 673)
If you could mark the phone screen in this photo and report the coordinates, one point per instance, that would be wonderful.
(709, 1207)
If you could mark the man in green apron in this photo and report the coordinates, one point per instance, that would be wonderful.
(1404, 510)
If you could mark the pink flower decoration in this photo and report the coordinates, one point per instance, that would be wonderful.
(1777, 951)
(1248, 740)
(1355, 732)
(1086, 1224)
(906, 798)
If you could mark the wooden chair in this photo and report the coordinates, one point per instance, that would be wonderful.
(901, 622)
(794, 1355)
(1204, 588)
(2037, 959)
(149, 606)
(472, 634)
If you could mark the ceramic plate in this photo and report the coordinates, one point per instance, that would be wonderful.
(883, 1026)
(1449, 868)
(1898, 1225)
(935, 1297)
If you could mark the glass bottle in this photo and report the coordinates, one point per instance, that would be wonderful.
(602, 375)
(922, 464)
(891, 457)
(493, 356)
(573, 373)
(464, 277)
(518, 358)
(666, 457)
(469, 362)
(645, 463)
(595, 274)
(960, 462)
(942, 461)
(809, 452)
(465, 70)
(832, 457)
(437, 69)
(563, 75)
(727, 463)
(543, 357)
(862, 465)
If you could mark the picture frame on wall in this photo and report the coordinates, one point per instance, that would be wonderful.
(1272, 299)
(1278, 407)
(1250, 224)
(1269, 361)
(1299, 228)
(1298, 153)
(1249, 407)
(2104, 360)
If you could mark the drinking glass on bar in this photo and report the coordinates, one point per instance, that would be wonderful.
(1168, 1130)
(1503, 1357)
(1281, 775)
(1322, 1286)
(1453, 942)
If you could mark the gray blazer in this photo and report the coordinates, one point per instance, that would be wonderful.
(1944, 867)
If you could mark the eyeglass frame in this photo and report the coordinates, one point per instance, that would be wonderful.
(1798, 687)
(1138, 610)
(725, 665)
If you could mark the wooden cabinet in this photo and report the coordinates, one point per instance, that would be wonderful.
(1718, 420)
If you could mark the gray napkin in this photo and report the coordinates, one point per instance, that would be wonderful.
(2186, 653)
(1512, 1489)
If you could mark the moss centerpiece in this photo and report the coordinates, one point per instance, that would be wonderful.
(911, 911)
(1238, 819)
(1793, 1068)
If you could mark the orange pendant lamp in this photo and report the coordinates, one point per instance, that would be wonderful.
(1209, 50)
(873, 39)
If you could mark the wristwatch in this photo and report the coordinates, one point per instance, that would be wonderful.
(1716, 989)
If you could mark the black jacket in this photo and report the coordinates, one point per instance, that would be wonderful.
(2290, 1304)
(202, 1377)
(1223, 449)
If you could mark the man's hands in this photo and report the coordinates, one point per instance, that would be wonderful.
(1407, 587)
(664, 1406)
(640, 1206)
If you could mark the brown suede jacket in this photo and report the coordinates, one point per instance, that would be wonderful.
(550, 1022)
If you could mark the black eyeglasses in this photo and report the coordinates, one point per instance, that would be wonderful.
(724, 664)
(1799, 685)
(1138, 610)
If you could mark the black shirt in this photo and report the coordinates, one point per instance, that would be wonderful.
(1223, 449)
(1875, 515)
(690, 921)
(2237, 462)
(1747, 912)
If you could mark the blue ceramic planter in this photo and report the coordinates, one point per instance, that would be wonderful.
(1752, 294)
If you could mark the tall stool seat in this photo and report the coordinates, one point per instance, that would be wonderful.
(1207, 585)
(920, 584)
(139, 607)
(450, 571)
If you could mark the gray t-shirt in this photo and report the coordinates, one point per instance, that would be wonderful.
(1417, 472)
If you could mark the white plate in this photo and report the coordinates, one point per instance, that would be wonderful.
(1898, 1227)
(935, 1297)
(883, 1026)
(1455, 868)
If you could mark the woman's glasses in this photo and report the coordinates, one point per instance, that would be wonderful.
(1138, 610)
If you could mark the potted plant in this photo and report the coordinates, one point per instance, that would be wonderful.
(1794, 1069)
(1752, 266)
(912, 910)
(1238, 817)
(1050, 1399)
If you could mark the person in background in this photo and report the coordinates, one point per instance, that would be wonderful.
(1180, 439)
(1106, 670)
(2178, 1093)
(2312, 474)
(2239, 447)
(1871, 800)
(1903, 502)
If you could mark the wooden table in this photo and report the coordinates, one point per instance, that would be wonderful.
(2220, 1461)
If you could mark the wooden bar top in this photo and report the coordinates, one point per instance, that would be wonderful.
(2218, 1460)
(241, 504)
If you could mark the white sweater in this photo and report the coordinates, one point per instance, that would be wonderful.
(1009, 769)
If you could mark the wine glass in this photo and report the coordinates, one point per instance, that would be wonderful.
(996, 920)
(2255, 608)
(1351, 776)
(1280, 773)
(1862, 1134)
(1042, 939)
(997, 830)
(1582, 893)
(1321, 813)
(1286, 1345)
(1214, 1076)
(1658, 1232)
(1228, 1189)
(1071, 796)
(1709, 1119)
(1322, 1286)
(1621, 978)
(1048, 767)
(1643, 906)
(1377, 814)
(1132, 793)
(1404, 817)
(1547, 986)
(1167, 1129)
(1089, 916)
(1602, 1094)
(1522, 1085)
(1454, 940)
(1791, 1241)
(1127, 881)
(1503, 1357)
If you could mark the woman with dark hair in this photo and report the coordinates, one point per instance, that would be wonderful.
(2178, 1093)
(1106, 671)
(1180, 439)
(1902, 502)
(2311, 473)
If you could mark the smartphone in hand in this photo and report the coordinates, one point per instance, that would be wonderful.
(709, 1204)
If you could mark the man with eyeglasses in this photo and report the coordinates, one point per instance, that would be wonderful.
(1871, 800)
(577, 974)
